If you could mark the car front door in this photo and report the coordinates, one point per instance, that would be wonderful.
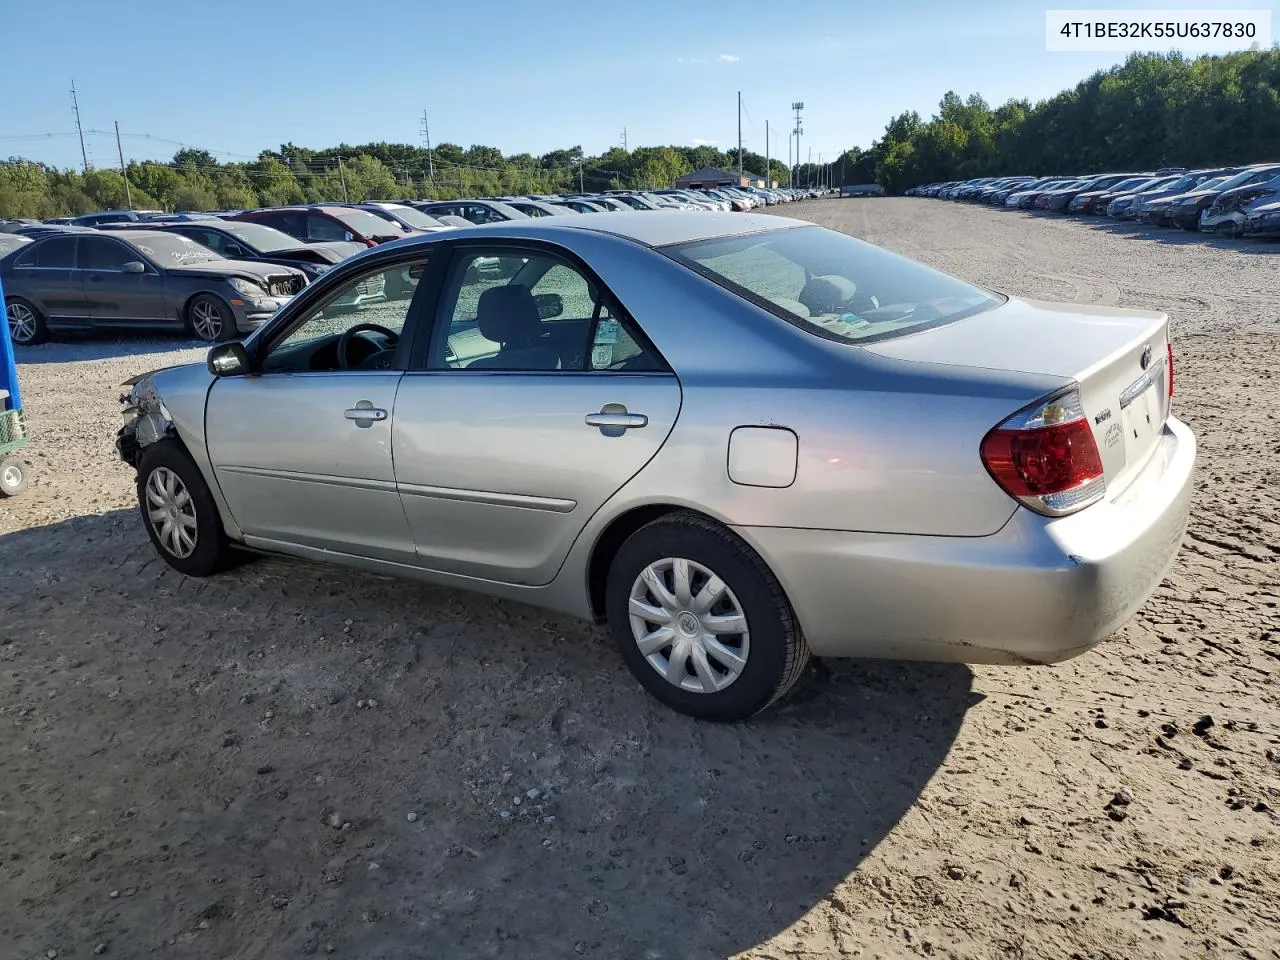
(302, 448)
(536, 400)
(113, 296)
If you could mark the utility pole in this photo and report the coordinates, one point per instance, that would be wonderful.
(624, 140)
(768, 174)
(797, 107)
(343, 177)
(75, 108)
(808, 166)
(426, 137)
(124, 171)
(739, 138)
(580, 159)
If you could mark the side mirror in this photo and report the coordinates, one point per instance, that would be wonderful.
(549, 305)
(133, 266)
(229, 360)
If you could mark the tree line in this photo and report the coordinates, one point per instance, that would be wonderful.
(1153, 110)
(196, 180)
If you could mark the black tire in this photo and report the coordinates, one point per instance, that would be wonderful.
(40, 330)
(777, 652)
(204, 326)
(14, 476)
(212, 551)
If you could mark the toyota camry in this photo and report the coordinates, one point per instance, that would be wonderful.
(738, 440)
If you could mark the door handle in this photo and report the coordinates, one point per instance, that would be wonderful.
(95, 279)
(614, 420)
(364, 413)
(623, 420)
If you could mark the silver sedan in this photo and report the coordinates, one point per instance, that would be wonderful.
(738, 440)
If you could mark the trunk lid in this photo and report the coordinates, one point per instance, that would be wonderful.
(1118, 357)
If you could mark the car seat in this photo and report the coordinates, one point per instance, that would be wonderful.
(509, 317)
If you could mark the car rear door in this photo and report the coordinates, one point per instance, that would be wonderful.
(46, 274)
(114, 297)
(513, 429)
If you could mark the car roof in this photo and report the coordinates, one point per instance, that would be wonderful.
(655, 229)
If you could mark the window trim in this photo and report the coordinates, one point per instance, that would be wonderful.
(425, 336)
(316, 293)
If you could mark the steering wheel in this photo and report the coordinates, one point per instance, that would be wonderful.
(344, 344)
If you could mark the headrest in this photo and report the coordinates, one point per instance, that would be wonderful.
(508, 315)
(827, 294)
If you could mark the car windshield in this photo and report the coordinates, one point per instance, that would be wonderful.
(1212, 184)
(365, 223)
(415, 218)
(837, 286)
(1131, 182)
(171, 250)
(262, 238)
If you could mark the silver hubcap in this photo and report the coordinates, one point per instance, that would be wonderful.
(22, 323)
(689, 625)
(206, 320)
(171, 512)
(12, 476)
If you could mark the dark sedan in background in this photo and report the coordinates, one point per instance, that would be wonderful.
(256, 241)
(137, 279)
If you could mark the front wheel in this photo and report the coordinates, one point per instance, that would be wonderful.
(701, 621)
(210, 320)
(179, 513)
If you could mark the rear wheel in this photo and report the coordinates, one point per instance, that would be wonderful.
(26, 324)
(179, 513)
(14, 476)
(209, 319)
(701, 621)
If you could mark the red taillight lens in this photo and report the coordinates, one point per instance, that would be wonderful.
(1169, 372)
(1046, 458)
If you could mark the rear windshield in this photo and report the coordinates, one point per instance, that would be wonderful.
(832, 284)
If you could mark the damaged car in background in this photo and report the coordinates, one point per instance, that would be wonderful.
(738, 440)
(138, 279)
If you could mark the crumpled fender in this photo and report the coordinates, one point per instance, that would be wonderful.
(146, 420)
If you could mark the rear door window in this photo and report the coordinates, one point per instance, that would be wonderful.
(55, 253)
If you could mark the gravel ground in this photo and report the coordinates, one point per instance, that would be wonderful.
(289, 760)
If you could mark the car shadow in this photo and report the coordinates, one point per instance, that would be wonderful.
(75, 349)
(1176, 236)
(256, 742)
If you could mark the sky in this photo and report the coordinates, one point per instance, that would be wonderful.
(238, 76)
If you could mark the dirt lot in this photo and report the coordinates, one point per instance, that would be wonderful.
(174, 752)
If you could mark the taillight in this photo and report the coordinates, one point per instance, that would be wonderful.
(1169, 372)
(1045, 457)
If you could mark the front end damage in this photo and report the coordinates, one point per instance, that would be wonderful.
(146, 420)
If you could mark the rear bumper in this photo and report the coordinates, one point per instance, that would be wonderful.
(1039, 591)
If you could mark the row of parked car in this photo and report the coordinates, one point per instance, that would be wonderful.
(216, 276)
(1234, 201)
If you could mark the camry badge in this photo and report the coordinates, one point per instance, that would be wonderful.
(1146, 357)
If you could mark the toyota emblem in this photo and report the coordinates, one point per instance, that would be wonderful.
(1146, 357)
